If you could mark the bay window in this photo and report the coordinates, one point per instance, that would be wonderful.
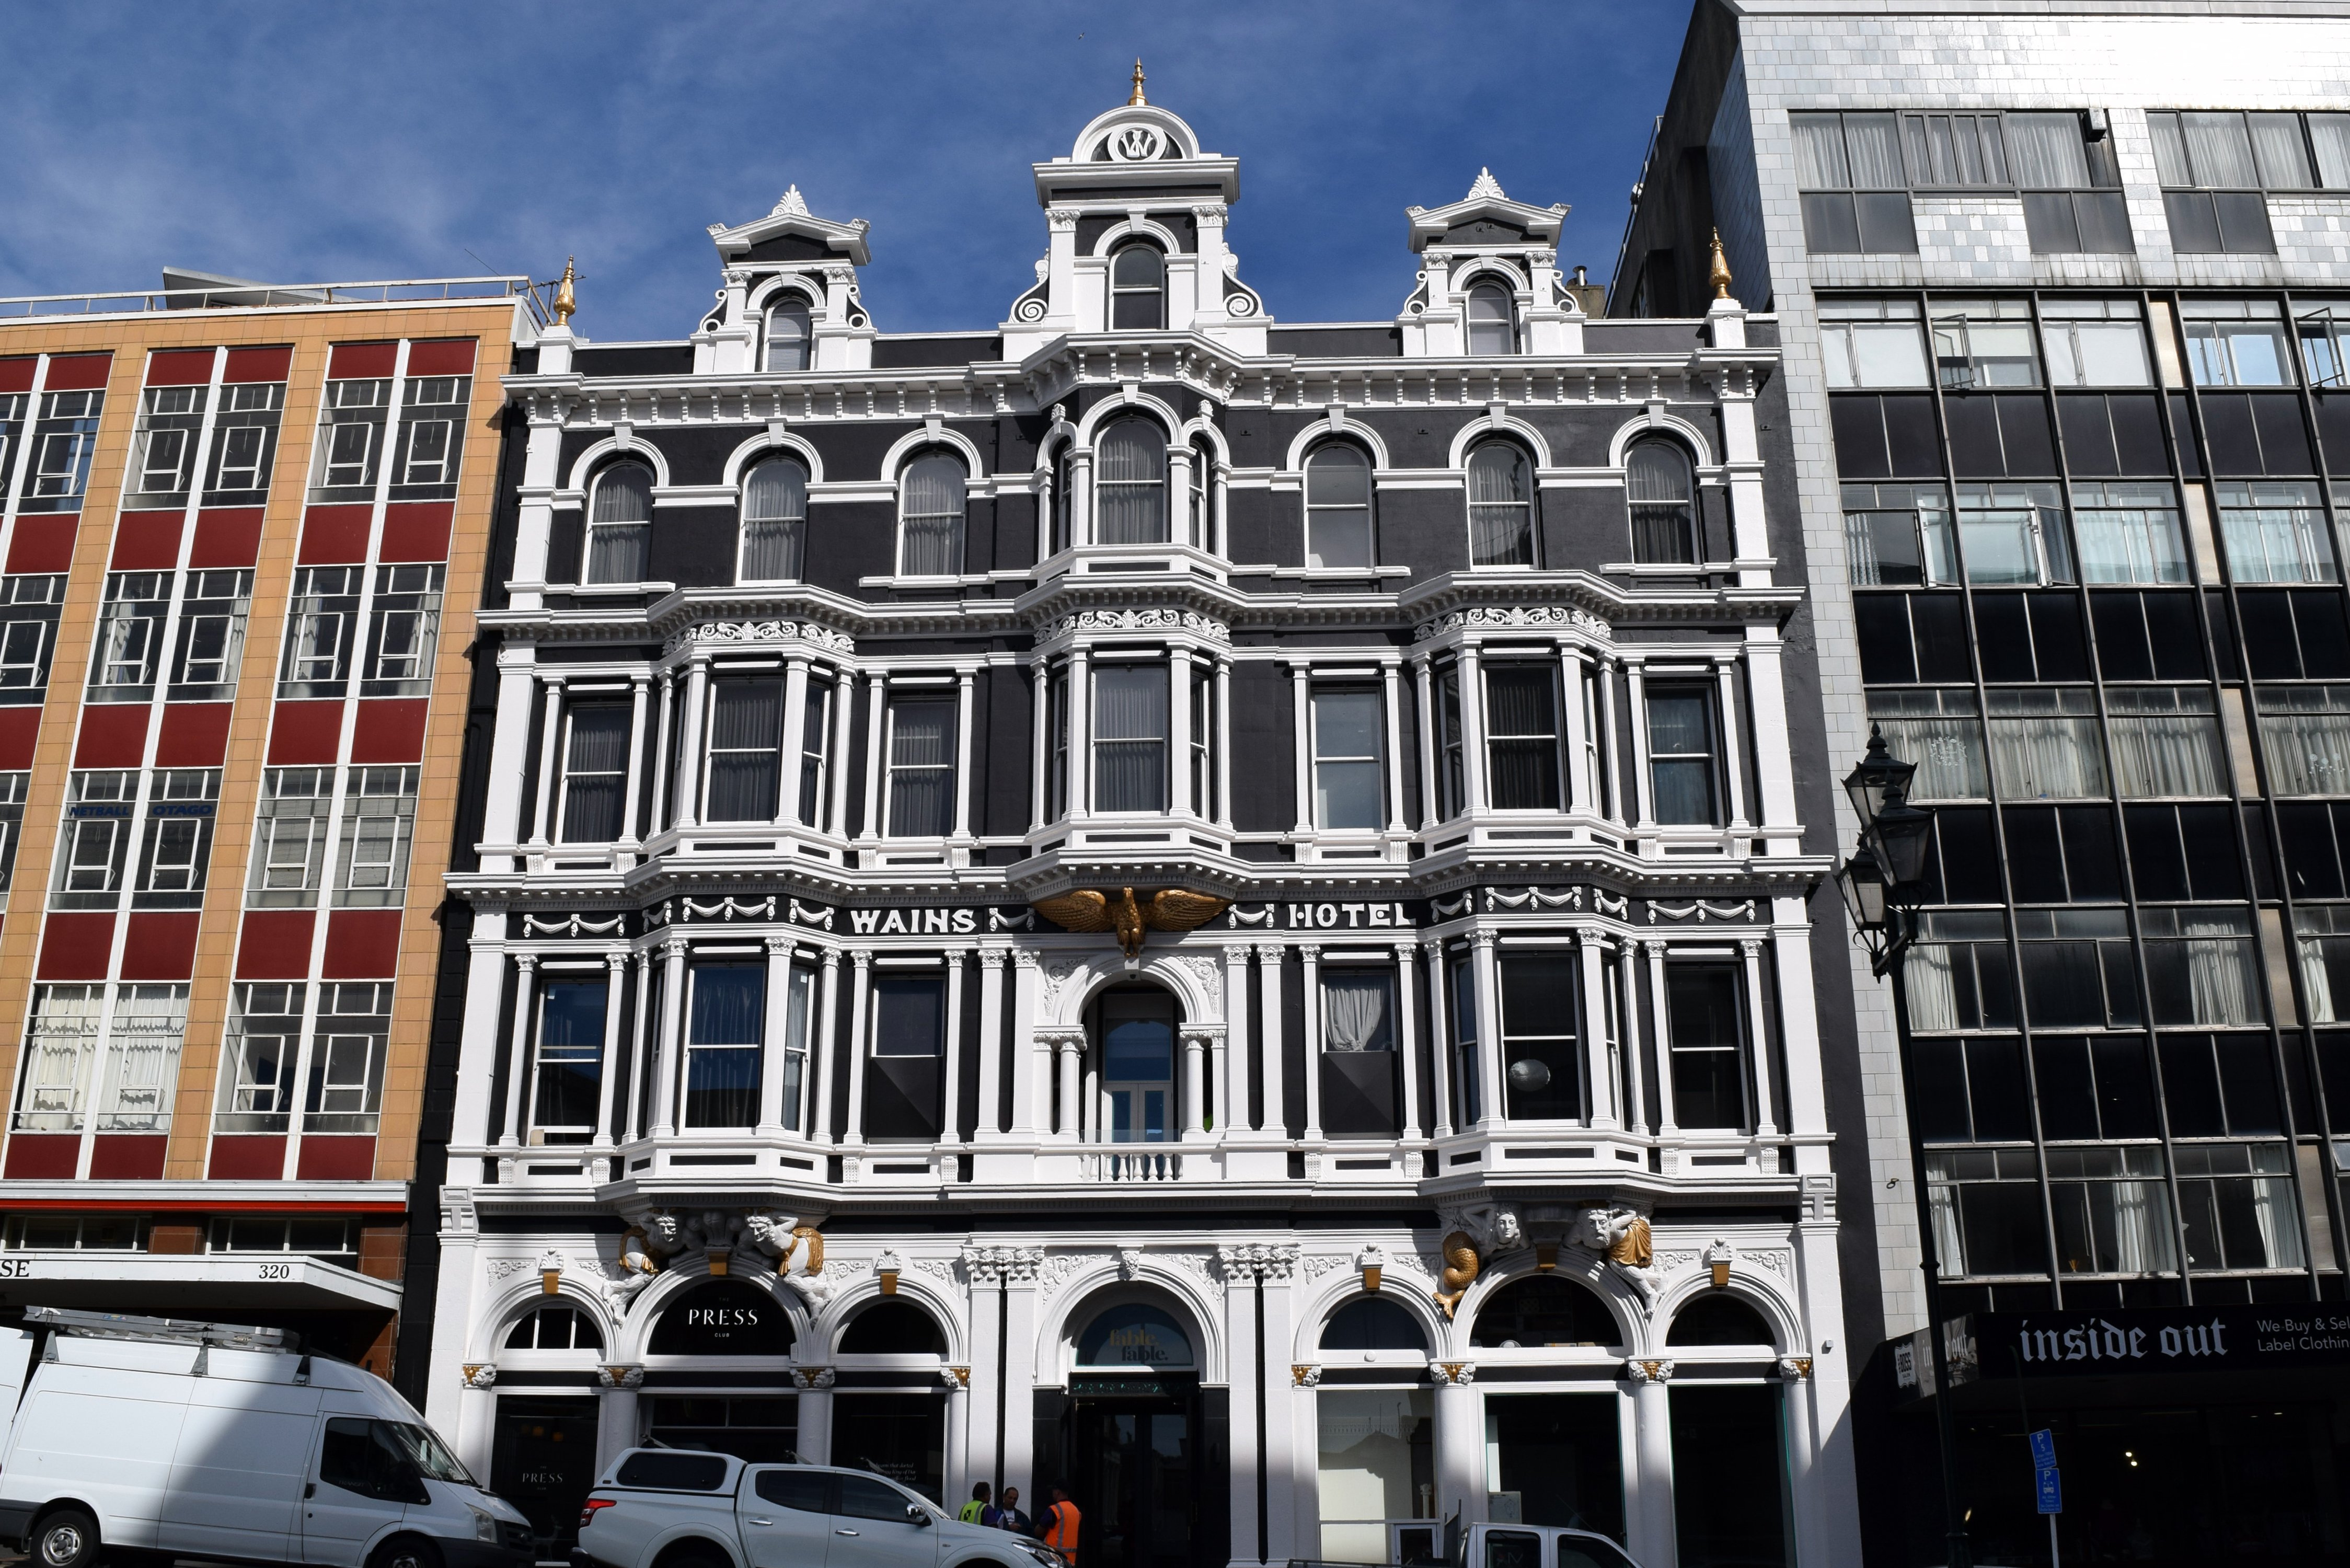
(775, 521)
(1358, 1058)
(746, 728)
(726, 1023)
(568, 1074)
(1131, 482)
(1683, 771)
(922, 757)
(1337, 506)
(1542, 1074)
(1705, 1016)
(1349, 766)
(1130, 737)
(595, 773)
(1522, 737)
(619, 524)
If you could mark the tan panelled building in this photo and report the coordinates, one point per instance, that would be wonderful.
(243, 532)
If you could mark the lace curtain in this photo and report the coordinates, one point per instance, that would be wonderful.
(2220, 975)
(2308, 751)
(2050, 758)
(2165, 754)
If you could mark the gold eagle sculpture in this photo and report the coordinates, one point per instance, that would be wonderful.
(1168, 909)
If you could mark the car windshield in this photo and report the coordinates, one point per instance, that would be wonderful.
(431, 1456)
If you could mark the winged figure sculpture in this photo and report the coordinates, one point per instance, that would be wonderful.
(1168, 909)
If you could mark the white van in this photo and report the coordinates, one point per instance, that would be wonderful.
(197, 1439)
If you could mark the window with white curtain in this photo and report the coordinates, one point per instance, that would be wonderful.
(595, 772)
(2201, 966)
(1131, 482)
(775, 520)
(2095, 343)
(2322, 940)
(2236, 1205)
(921, 766)
(726, 1022)
(1868, 344)
(2213, 165)
(1493, 320)
(1131, 718)
(619, 524)
(931, 517)
(1956, 973)
(2236, 342)
(1855, 197)
(2166, 742)
(60, 1043)
(2054, 167)
(790, 335)
(2044, 744)
(1899, 536)
(1522, 737)
(1357, 1009)
(1500, 506)
(2129, 531)
(1941, 732)
(1987, 1215)
(1348, 743)
(2112, 1210)
(1337, 506)
(1956, 149)
(2305, 738)
(746, 750)
(1660, 488)
(143, 1058)
(1981, 343)
(2274, 531)
(2014, 533)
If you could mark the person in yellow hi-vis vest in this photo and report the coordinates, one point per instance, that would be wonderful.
(1061, 1522)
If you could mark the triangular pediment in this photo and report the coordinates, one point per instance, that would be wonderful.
(1485, 216)
(791, 220)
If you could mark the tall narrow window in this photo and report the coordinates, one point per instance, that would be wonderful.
(1130, 737)
(775, 520)
(212, 610)
(432, 437)
(910, 1032)
(164, 449)
(244, 442)
(1704, 1010)
(789, 334)
(256, 1080)
(746, 738)
(931, 500)
(1138, 1065)
(1358, 1052)
(1543, 1074)
(1347, 761)
(65, 439)
(815, 743)
(722, 1052)
(1681, 768)
(93, 846)
(29, 629)
(1056, 765)
(123, 666)
(347, 1057)
(1137, 290)
(289, 838)
(350, 440)
(1522, 737)
(177, 847)
(1501, 507)
(1660, 486)
(404, 629)
(1451, 777)
(379, 830)
(798, 1011)
(921, 766)
(620, 524)
(321, 629)
(595, 772)
(143, 1058)
(1338, 507)
(1203, 466)
(1130, 484)
(1493, 320)
(1203, 731)
(60, 1044)
(1461, 972)
(570, 1066)
(1064, 501)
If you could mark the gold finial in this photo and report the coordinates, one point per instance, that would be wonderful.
(1137, 97)
(567, 293)
(1720, 275)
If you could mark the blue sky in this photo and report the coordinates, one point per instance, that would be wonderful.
(311, 143)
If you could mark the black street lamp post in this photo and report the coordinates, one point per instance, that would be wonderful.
(1883, 881)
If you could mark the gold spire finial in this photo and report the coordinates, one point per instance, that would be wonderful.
(567, 293)
(1137, 97)
(1720, 275)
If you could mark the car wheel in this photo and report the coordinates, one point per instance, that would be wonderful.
(67, 1538)
(405, 1551)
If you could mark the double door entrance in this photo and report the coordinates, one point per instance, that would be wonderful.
(1136, 1479)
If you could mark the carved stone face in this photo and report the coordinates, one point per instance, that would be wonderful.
(662, 1232)
(1599, 1227)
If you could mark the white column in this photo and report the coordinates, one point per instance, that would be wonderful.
(1774, 768)
(1803, 1480)
(1578, 767)
(550, 735)
(1628, 1015)
(616, 971)
(1090, 1098)
(1081, 720)
(1460, 1450)
(1407, 1036)
(1284, 1464)
(1040, 740)
(509, 755)
(1270, 1046)
(1032, 1090)
(1195, 1100)
(1068, 1051)
(1490, 1107)
(1081, 521)
(1661, 1032)
(1312, 956)
(1231, 1106)
(836, 765)
(991, 1046)
(877, 719)
(861, 997)
(641, 1043)
(822, 1051)
(1439, 1042)
(1758, 1039)
(815, 1436)
(958, 1456)
(615, 1424)
(665, 1060)
(1182, 527)
(1599, 1107)
(632, 793)
(951, 1094)
(1020, 1384)
(795, 685)
(1607, 741)
(660, 756)
(486, 995)
(1393, 704)
(688, 778)
(1245, 1393)
(1652, 1537)
(1734, 742)
(777, 1030)
(1302, 700)
(519, 1073)
(1429, 739)
(962, 790)
(1473, 728)
(1645, 807)
(985, 1458)
(1224, 741)
(1179, 732)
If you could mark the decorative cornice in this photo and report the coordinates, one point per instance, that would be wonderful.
(1515, 618)
(1142, 619)
(758, 632)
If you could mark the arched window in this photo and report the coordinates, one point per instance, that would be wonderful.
(775, 520)
(1136, 1338)
(1130, 484)
(620, 524)
(1203, 466)
(894, 1328)
(1138, 289)
(1338, 507)
(1501, 507)
(1717, 1318)
(1064, 501)
(555, 1328)
(722, 1318)
(930, 511)
(1543, 1310)
(789, 334)
(1493, 320)
(1369, 1323)
(1657, 481)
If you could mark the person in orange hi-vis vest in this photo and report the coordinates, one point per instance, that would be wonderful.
(1061, 1522)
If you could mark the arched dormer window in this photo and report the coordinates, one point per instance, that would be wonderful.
(619, 524)
(931, 512)
(1657, 484)
(1338, 507)
(775, 521)
(1138, 289)
(790, 333)
(1500, 506)
(1493, 320)
(1130, 484)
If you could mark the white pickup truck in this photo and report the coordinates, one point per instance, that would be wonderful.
(675, 1508)
(1504, 1546)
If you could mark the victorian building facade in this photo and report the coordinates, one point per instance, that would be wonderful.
(1205, 910)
